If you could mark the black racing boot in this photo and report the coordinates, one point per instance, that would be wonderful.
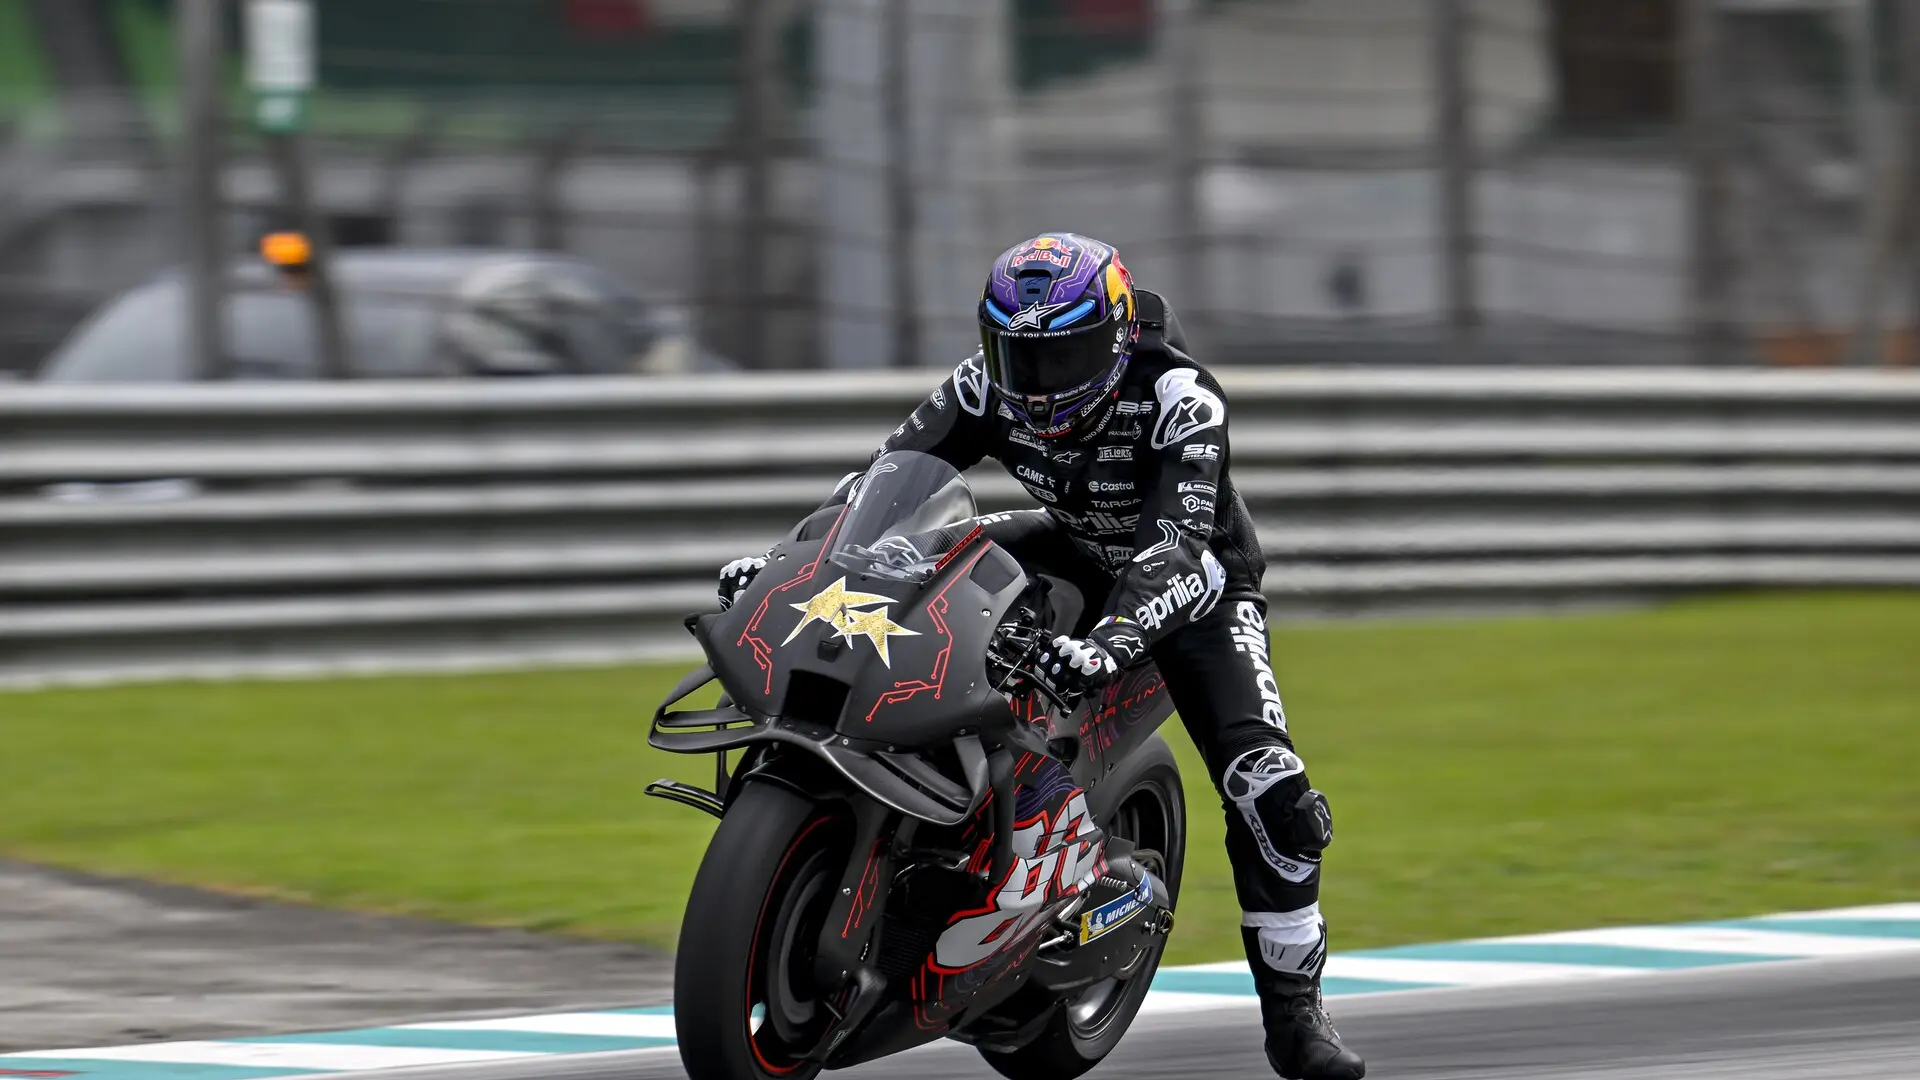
(1301, 1041)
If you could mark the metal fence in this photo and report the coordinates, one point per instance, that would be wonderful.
(821, 182)
(220, 530)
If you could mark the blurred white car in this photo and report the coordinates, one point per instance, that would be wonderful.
(406, 314)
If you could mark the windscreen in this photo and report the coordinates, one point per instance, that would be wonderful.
(900, 516)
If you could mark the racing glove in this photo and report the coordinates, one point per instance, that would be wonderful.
(1075, 667)
(736, 576)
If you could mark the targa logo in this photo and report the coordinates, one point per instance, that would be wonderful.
(840, 609)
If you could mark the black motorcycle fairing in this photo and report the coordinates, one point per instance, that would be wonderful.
(885, 778)
(814, 640)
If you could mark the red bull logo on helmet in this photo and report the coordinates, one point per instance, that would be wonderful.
(1047, 249)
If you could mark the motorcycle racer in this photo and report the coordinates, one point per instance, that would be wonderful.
(1084, 392)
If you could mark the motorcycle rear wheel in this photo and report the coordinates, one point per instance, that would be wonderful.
(745, 1001)
(1087, 1027)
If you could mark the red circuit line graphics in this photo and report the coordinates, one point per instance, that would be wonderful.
(750, 637)
(863, 896)
(936, 611)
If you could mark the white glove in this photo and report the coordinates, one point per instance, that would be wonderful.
(736, 576)
(1075, 667)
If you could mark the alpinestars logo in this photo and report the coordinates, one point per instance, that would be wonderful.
(1035, 316)
(970, 386)
(1250, 640)
(1186, 408)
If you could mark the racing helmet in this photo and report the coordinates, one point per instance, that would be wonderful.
(1057, 325)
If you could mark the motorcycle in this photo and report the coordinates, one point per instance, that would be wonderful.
(921, 838)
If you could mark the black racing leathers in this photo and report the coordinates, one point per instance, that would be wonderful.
(1142, 511)
(1144, 496)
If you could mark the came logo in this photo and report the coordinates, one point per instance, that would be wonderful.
(1034, 476)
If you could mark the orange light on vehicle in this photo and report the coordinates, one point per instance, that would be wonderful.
(287, 250)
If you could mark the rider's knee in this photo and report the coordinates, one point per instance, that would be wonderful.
(1290, 821)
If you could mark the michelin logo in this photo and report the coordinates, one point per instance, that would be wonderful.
(1113, 914)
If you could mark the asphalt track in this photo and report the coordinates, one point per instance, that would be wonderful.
(1852, 1019)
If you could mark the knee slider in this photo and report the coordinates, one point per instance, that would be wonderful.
(1287, 816)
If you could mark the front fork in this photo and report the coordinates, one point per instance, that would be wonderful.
(850, 938)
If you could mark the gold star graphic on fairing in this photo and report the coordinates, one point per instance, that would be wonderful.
(876, 628)
(830, 605)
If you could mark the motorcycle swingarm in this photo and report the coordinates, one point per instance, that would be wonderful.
(1112, 952)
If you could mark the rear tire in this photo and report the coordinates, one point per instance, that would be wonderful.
(1152, 813)
(745, 1003)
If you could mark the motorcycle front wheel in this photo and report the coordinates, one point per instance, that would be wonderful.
(745, 1002)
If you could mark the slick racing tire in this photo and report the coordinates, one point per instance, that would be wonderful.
(1151, 812)
(745, 1003)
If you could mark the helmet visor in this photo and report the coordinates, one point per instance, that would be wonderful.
(1043, 367)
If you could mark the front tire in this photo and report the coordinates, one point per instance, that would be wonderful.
(1084, 1030)
(745, 1002)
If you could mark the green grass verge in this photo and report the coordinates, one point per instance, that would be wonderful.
(23, 74)
(1712, 758)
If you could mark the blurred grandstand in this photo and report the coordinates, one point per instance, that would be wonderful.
(821, 181)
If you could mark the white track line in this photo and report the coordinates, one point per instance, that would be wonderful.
(1171, 1001)
(619, 1025)
(1465, 972)
(1723, 939)
(314, 1057)
(1878, 911)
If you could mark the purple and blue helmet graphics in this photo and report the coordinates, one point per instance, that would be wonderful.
(1058, 326)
